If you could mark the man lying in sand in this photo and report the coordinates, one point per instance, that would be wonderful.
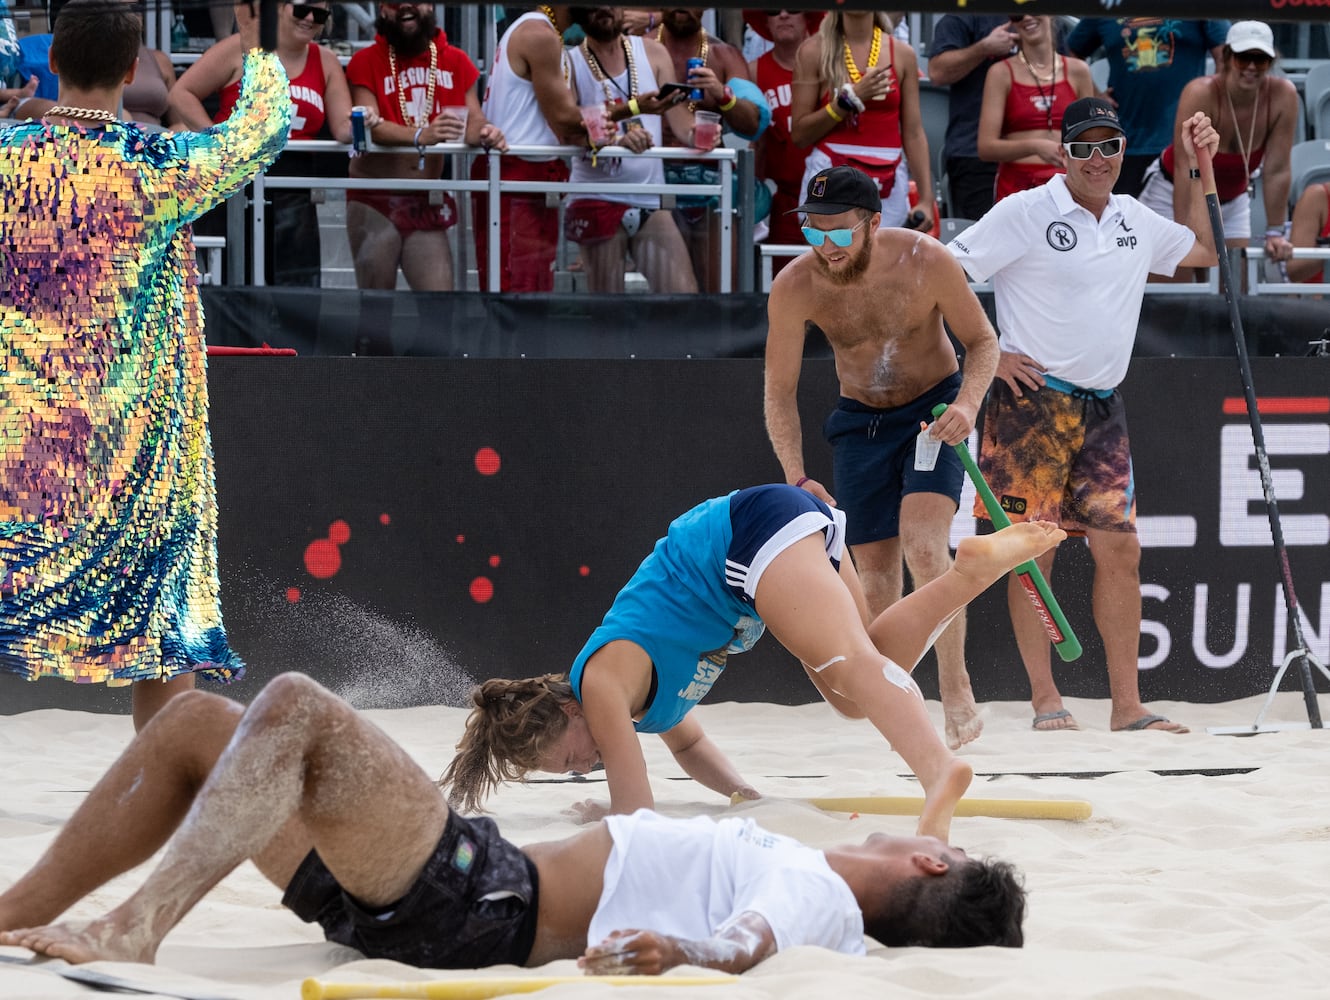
(360, 839)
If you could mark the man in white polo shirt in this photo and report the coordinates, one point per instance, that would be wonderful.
(1069, 262)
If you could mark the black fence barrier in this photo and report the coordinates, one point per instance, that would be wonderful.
(401, 527)
(474, 325)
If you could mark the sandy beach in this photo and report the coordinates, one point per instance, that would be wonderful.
(1203, 871)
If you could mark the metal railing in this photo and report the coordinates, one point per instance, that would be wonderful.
(1258, 285)
(726, 159)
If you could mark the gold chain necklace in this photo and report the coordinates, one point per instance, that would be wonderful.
(703, 46)
(548, 11)
(1251, 132)
(603, 78)
(86, 114)
(1051, 96)
(429, 86)
(874, 50)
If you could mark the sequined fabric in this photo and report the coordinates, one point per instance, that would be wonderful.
(108, 511)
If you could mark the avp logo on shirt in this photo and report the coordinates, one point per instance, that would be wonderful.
(1060, 236)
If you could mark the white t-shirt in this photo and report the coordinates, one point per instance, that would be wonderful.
(705, 874)
(1068, 287)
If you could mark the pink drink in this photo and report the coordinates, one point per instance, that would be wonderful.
(705, 136)
(593, 117)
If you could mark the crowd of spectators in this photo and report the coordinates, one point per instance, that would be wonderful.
(805, 90)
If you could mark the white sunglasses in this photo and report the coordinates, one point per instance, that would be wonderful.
(1084, 150)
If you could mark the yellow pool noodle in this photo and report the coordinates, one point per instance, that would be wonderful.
(483, 989)
(904, 805)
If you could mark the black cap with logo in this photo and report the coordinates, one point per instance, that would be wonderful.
(840, 189)
(1088, 113)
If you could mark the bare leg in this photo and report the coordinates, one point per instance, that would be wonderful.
(298, 753)
(130, 812)
(925, 529)
(427, 261)
(1117, 615)
(603, 262)
(662, 255)
(1032, 641)
(814, 614)
(148, 697)
(376, 246)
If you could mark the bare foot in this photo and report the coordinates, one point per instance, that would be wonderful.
(85, 942)
(987, 558)
(963, 724)
(940, 800)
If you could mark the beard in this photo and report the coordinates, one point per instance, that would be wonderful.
(681, 22)
(408, 42)
(852, 270)
(601, 24)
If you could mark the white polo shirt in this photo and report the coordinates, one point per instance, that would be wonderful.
(1068, 287)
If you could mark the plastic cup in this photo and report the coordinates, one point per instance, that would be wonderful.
(706, 130)
(593, 117)
(461, 112)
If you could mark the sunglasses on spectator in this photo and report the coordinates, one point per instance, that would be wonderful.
(300, 11)
(1084, 150)
(1256, 57)
(839, 237)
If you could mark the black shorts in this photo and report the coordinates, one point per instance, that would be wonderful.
(473, 905)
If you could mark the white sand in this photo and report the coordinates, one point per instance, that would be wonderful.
(1178, 886)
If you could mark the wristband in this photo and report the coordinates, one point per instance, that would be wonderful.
(832, 111)
(730, 100)
(633, 107)
(801, 480)
(1194, 173)
(1275, 231)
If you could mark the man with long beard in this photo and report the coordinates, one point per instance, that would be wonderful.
(410, 75)
(880, 297)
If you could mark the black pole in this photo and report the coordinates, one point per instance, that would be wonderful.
(268, 25)
(1258, 438)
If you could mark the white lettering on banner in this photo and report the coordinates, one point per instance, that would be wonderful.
(1318, 640)
(1239, 622)
(709, 668)
(1155, 630)
(1241, 522)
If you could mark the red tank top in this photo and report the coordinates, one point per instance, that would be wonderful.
(877, 127)
(784, 160)
(1231, 176)
(307, 112)
(1032, 108)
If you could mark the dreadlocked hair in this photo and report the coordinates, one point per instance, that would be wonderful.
(511, 725)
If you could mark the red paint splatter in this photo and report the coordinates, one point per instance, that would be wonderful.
(583, 570)
(481, 590)
(292, 595)
(339, 532)
(322, 559)
(487, 461)
(494, 561)
(385, 519)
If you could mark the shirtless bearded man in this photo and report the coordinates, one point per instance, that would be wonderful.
(880, 296)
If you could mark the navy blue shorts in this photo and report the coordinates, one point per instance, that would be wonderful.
(766, 520)
(473, 905)
(873, 461)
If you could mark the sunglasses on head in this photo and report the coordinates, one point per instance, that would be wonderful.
(300, 11)
(1084, 150)
(1256, 57)
(839, 237)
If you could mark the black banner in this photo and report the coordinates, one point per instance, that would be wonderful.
(401, 527)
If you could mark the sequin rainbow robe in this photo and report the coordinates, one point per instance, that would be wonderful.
(108, 510)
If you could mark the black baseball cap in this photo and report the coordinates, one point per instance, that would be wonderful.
(840, 189)
(1088, 113)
